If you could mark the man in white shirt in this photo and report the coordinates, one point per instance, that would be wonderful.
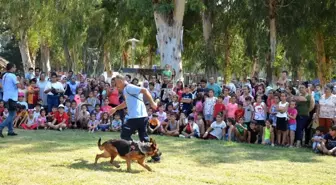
(10, 86)
(137, 113)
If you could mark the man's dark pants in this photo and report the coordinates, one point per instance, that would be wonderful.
(139, 124)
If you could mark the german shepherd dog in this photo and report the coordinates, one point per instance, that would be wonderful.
(128, 150)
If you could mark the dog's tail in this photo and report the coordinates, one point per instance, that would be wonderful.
(99, 144)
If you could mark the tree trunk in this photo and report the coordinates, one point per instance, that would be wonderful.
(24, 51)
(211, 67)
(45, 57)
(150, 56)
(67, 55)
(107, 60)
(255, 67)
(323, 69)
(272, 15)
(227, 59)
(169, 37)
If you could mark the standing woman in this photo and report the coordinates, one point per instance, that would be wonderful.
(53, 89)
(178, 89)
(10, 86)
(326, 110)
(113, 94)
(304, 104)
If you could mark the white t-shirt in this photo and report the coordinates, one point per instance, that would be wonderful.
(259, 111)
(209, 104)
(217, 129)
(57, 86)
(162, 116)
(282, 115)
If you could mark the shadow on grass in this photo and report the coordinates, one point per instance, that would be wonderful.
(214, 152)
(103, 166)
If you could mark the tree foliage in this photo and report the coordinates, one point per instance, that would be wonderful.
(79, 32)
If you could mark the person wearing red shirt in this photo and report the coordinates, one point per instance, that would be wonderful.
(219, 107)
(239, 112)
(60, 120)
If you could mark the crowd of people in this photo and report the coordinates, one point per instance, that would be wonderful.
(248, 111)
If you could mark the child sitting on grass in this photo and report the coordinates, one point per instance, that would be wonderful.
(154, 125)
(83, 117)
(21, 116)
(172, 128)
(241, 130)
(231, 129)
(116, 123)
(93, 123)
(104, 123)
(253, 133)
(268, 135)
(216, 129)
(72, 113)
(61, 119)
(200, 123)
(191, 130)
(317, 138)
(31, 123)
(42, 119)
(328, 144)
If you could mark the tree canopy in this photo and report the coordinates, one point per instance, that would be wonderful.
(233, 39)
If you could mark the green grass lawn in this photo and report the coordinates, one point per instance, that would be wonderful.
(52, 157)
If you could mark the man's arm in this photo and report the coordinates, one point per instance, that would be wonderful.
(148, 97)
(119, 107)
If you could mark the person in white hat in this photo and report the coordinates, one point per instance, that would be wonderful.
(60, 120)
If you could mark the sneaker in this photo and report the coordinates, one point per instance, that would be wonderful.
(191, 137)
(12, 134)
(291, 146)
(272, 145)
(182, 136)
(60, 129)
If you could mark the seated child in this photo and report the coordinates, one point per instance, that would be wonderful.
(98, 112)
(37, 111)
(317, 138)
(268, 134)
(201, 124)
(4, 114)
(31, 123)
(2, 107)
(191, 130)
(60, 120)
(67, 106)
(21, 100)
(241, 130)
(73, 115)
(154, 125)
(21, 116)
(42, 119)
(216, 129)
(93, 123)
(172, 128)
(116, 123)
(51, 115)
(83, 117)
(328, 144)
(253, 133)
(104, 123)
(183, 121)
(231, 129)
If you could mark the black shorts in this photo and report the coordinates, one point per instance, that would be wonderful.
(260, 122)
(282, 124)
